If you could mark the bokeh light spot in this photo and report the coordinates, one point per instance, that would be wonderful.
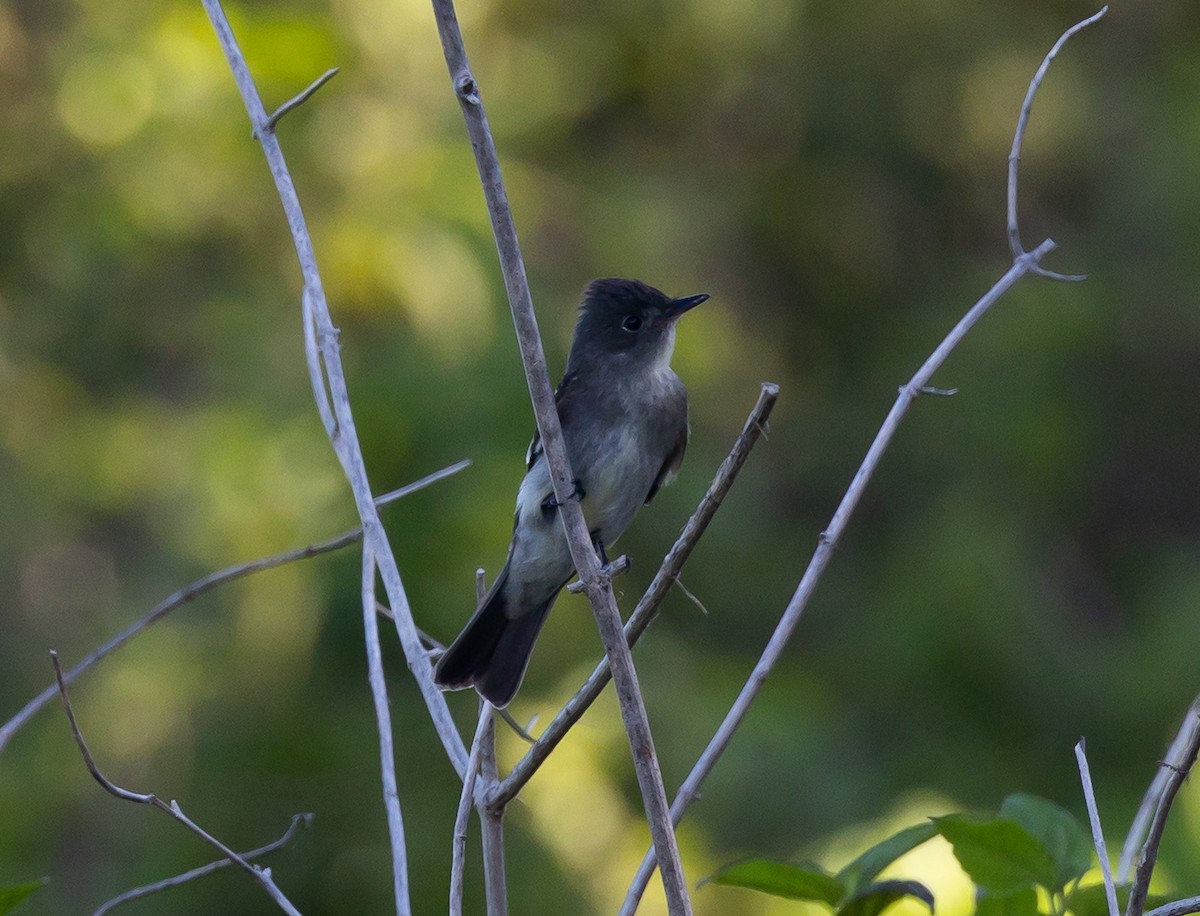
(105, 98)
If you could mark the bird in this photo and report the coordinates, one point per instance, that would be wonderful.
(624, 416)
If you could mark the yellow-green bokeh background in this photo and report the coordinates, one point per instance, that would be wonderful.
(1022, 571)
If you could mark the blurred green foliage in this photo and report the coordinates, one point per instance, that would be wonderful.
(1022, 571)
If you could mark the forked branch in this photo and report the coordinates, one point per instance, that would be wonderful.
(261, 875)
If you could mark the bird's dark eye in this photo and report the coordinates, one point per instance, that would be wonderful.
(632, 324)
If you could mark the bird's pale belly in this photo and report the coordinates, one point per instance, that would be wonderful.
(615, 483)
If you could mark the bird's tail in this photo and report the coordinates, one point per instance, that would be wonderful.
(492, 651)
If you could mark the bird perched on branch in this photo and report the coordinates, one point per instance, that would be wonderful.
(624, 418)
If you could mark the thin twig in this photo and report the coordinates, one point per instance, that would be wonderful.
(1023, 263)
(261, 875)
(205, 584)
(1176, 774)
(1188, 730)
(297, 100)
(583, 554)
(687, 593)
(383, 721)
(146, 890)
(1178, 908)
(1089, 796)
(462, 818)
(664, 579)
(330, 392)
(1014, 158)
(494, 876)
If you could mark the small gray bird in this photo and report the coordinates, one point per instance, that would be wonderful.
(624, 417)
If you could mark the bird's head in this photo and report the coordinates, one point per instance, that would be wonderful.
(628, 320)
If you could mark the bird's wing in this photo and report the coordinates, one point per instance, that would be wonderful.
(671, 465)
(564, 398)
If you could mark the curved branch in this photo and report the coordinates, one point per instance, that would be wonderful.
(261, 875)
(330, 391)
(137, 893)
(205, 584)
(1023, 263)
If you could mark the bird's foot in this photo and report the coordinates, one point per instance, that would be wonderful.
(609, 571)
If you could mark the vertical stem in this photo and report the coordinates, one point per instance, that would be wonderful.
(387, 757)
(463, 817)
(587, 563)
(495, 879)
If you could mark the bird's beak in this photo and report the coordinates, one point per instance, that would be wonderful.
(679, 306)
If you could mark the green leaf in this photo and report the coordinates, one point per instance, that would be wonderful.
(866, 867)
(1022, 903)
(796, 882)
(875, 898)
(1056, 829)
(1092, 901)
(1000, 855)
(11, 896)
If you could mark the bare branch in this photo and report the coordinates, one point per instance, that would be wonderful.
(1023, 263)
(332, 397)
(1178, 908)
(205, 584)
(1014, 158)
(462, 818)
(664, 579)
(687, 593)
(1176, 774)
(383, 720)
(1089, 796)
(583, 554)
(297, 100)
(261, 875)
(494, 877)
(1176, 753)
(146, 890)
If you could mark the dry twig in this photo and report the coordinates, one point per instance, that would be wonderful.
(331, 394)
(1176, 774)
(583, 554)
(1189, 729)
(383, 722)
(495, 879)
(261, 875)
(1089, 797)
(146, 890)
(463, 816)
(1023, 263)
(207, 583)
